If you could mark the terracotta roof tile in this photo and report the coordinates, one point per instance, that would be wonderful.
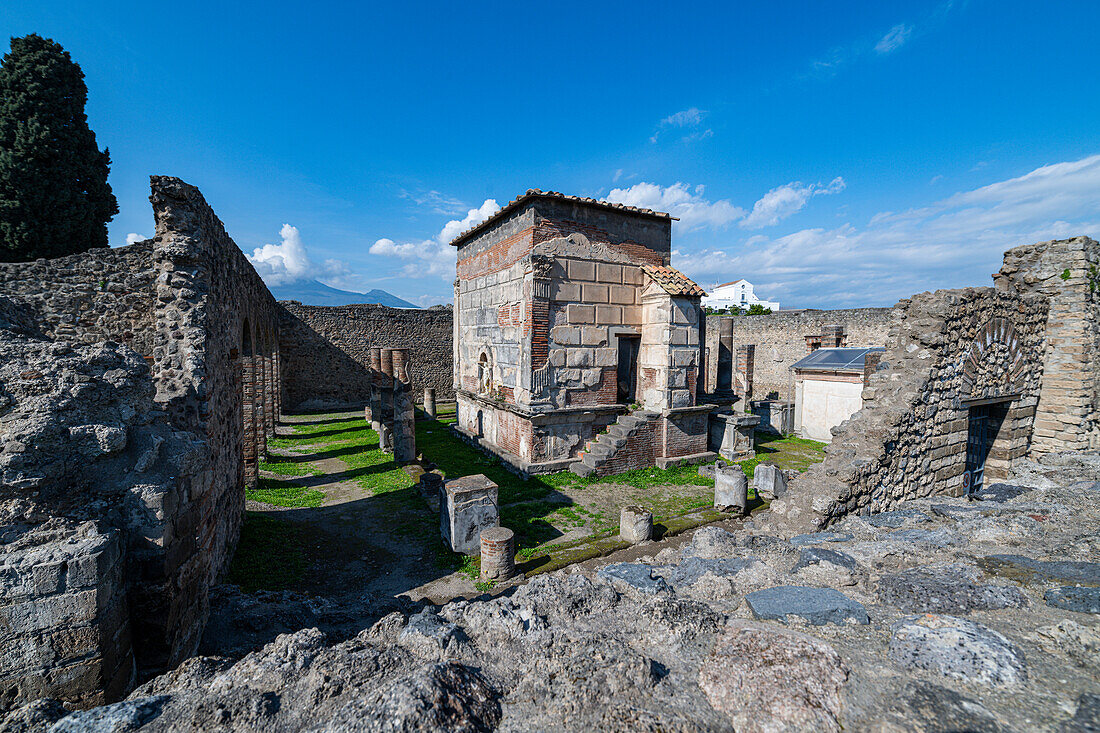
(536, 193)
(672, 281)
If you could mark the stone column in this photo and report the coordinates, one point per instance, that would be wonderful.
(248, 422)
(746, 357)
(269, 393)
(404, 416)
(467, 507)
(277, 367)
(731, 488)
(724, 381)
(498, 553)
(429, 401)
(635, 524)
(374, 398)
(258, 412)
(385, 418)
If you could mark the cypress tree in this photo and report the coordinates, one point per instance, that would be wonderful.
(54, 195)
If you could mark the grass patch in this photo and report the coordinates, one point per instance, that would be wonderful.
(284, 493)
(287, 466)
(270, 555)
(787, 452)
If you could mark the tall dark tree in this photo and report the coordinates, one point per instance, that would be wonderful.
(54, 195)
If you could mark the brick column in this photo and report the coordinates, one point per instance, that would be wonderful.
(277, 370)
(870, 366)
(498, 553)
(746, 356)
(385, 419)
(725, 381)
(374, 398)
(269, 393)
(404, 417)
(248, 423)
(834, 336)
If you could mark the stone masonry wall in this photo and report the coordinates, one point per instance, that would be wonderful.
(1068, 273)
(909, 440)
(780, 341)
(326, 349)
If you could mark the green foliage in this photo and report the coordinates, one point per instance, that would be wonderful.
(54, 195)
(1066, 274)
(284, 493)
(270, 555)
(758, 310)
(287, 466)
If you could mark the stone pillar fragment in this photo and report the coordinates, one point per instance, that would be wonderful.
(467, 507)
(429, 401)
(724, 382)
(374, 398)
(385, 417)
(731, 488)
(635, 524)
(746, 357)
(404, 415)
(498, 553)
(770, 482)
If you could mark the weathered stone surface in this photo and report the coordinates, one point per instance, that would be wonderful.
(731, 489)
(934, 709)
(814, 538)
(956, 648)
(1026, 569)
(1082, 599)
(633, 576)
(467, 506)
(1086, 719)
(121, 717)
(635, 524)
(933, 537)
(692, 569)
(896, 518)
(946, 588)
(819, 606)
(770, 482)
(1000, 492)
(769, 680)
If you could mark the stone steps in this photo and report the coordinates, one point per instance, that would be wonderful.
(599, 451)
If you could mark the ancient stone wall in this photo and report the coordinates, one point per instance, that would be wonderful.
(944, 349)
(154, 452)
(326, 351)
(100, 295)
(1068, 273)
(780, 340)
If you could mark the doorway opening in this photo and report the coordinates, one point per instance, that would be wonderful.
(628, 369)
(984, 424)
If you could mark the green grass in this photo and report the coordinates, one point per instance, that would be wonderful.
(784, 452)
(284, 493)
(287, 466)
(270, 555)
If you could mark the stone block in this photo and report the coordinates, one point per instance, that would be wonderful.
(565, 335)
(593, 336)
(606, 357)
(581, 270)
(594, 293)
(632, 275)
(770, 482)
(578, 313)
(567, 291)
(467, 506)
(635, 524)
(622, 294)
(731, 488)
(579, 357)
(610, 274)
(609, 315)
(557, 357)
(632, 315)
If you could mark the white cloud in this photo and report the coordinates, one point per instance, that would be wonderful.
(434, 256)
(680, 200)
(436, 202)
(955, 242)
(684, 118)
(894, 39)
(288, 261)
(781, 202)
(134, 237)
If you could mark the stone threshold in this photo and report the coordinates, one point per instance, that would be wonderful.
(688, 460)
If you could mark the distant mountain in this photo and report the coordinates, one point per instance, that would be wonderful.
(312, 292)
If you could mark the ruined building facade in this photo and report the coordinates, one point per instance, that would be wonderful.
(137, 389)
(568, 319)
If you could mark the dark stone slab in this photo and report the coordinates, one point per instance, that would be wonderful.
(965, 511)
(635, 575)
(946, 589)
(1081, 599)
(934, 537)
(818, 537)
(817, 555)
(941, 710)
(690, 570)
(819, 606)
(1025, 569)
(1000, 492)
(896, 518)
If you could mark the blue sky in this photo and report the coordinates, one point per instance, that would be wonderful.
(835, 154)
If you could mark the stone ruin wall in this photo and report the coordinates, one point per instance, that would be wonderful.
(909, 440)
(326, 351)
(121, 465)
(780, 340)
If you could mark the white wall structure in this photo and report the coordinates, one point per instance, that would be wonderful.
(737, 294)
(828, 389)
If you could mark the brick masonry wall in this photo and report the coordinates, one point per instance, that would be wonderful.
(780, 341)
(325, 351)
(909, 440)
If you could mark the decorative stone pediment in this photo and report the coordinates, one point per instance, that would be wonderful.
(993, 363)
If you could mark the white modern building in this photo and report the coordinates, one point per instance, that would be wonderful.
(737, 294)
(828, 389)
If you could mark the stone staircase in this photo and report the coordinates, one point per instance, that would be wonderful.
(601, 450)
